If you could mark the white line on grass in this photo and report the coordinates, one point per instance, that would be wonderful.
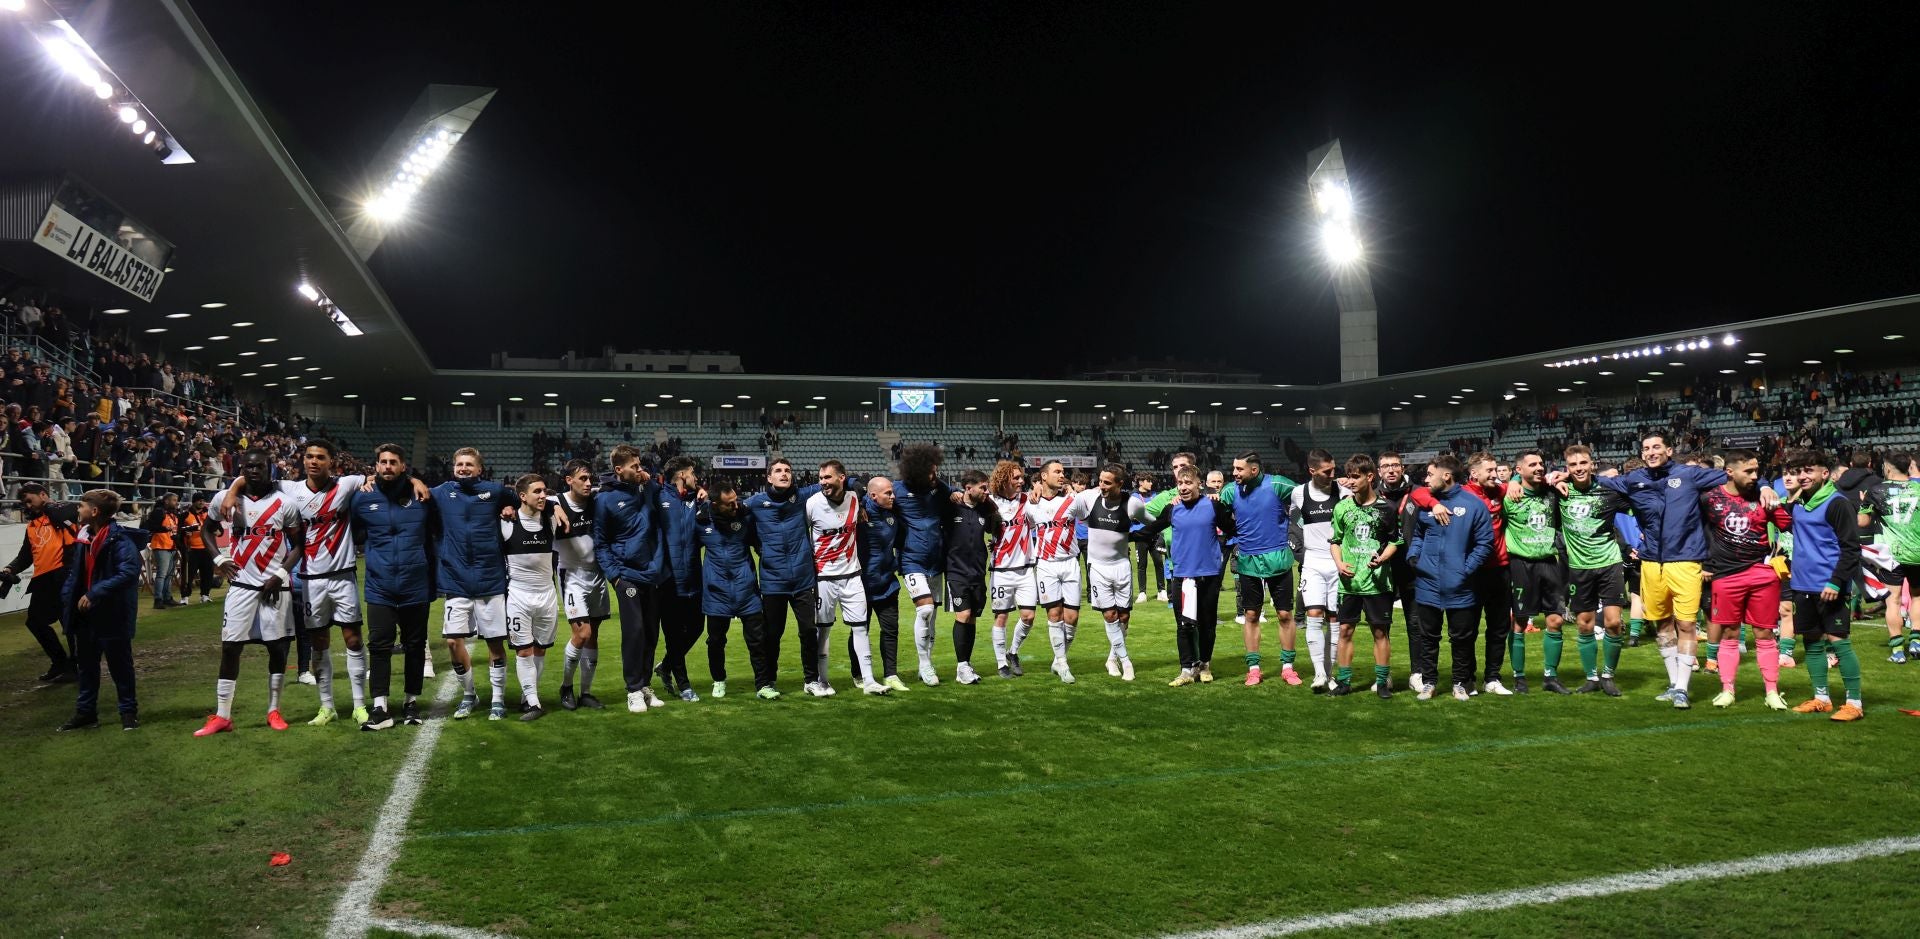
(414, 927)
(353, 914)
(1554, 893)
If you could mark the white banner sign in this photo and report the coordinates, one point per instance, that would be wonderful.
(1417, 457)
(107, 259)
(734, 461)
(1075, 461)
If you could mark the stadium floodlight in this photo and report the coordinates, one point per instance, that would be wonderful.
(1331, 194)
(319, 298)
(13, 6)
(416, 151)
(306, 290)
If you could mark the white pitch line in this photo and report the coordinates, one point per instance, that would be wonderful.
(1554, 893)
(353, 914)
(414, 927)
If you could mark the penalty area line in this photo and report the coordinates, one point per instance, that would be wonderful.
(1636, 881)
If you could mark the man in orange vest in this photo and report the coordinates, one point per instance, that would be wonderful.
(199, 553)
(163, 522)
(50, 529)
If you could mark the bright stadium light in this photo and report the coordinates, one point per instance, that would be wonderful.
(1339, 241)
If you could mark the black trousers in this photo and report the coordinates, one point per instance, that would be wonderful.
(88, 651)
(43, 613)
(1496, 604)
(763, 648)
(200, 568)
(1409, 611)
(887, 613)
(717, 646)
(808, 635)
(1195, 636)
(639, 632)
(410, 624)
(680, 624)
(1463, 627)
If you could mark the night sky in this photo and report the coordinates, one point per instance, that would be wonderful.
(1025, 192)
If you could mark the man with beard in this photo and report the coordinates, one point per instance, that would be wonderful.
(966, 530)
(787, 578)
(730, 590)
(1445, 554)
(1393, 485)
(881, 533)
(51, 527)
(922, 506)
(679, 601)
(1312, 515)
(627, 528)
(1053, 512)
(265, 525)
(833, 523)
(1531, 509)
(1490, 581)
(397, 528)
(583, 588)
(1110, 579)
(1263, 565)
(1596, 578)
(1745, 587)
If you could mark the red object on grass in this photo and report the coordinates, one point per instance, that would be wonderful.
(1909, 712)
(280, 859)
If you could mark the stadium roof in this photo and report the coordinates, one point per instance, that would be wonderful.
(248, 228)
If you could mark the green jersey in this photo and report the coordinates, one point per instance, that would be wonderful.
(1586, 526)
(1362, 532)
(1532, 522)
(1896, 503)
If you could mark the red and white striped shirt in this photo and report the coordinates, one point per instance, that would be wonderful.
(262, 543)
(329, 545)
(1053, 522)
(1014, 548)
(833, 529)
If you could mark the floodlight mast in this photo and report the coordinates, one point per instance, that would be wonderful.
(418, 145)
(1339, 237)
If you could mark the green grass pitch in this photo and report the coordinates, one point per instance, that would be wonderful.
(1014, 808)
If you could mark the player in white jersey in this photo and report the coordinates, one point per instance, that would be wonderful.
(1109, 572)
(583, 589)
(1010, 565)
(1054, 511)
(265, 526)
(533, 615)
(1312, 512)
(833, 522)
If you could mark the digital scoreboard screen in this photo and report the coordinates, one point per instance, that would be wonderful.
(912, 400)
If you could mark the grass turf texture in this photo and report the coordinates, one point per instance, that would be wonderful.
(1016, 807)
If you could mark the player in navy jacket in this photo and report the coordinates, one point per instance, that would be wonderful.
(679, 600)
(729, 590)
(786, 560)
(882, 533)
(924, 502)
(627, 531)
(398, 531)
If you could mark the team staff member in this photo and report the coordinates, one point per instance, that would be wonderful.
(627, 528)
(1196, 523)
(1148, 553)
(50, 530)
(1490, 581)
(965, 532)
(679, 600)
(1826, 556)
(1393, 485)
(730, 590)
(786, 565)
(1673, 544)
(397, 528)
(101, 597)
(162, 525)
(198, 553)
(881, 533)
(1452, 539)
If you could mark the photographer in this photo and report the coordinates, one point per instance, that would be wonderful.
(102, 597)
(50, 528)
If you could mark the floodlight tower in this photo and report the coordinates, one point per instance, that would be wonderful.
(1339, 237)
(414, 151)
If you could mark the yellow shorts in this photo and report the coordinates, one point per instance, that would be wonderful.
(1670, 590)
